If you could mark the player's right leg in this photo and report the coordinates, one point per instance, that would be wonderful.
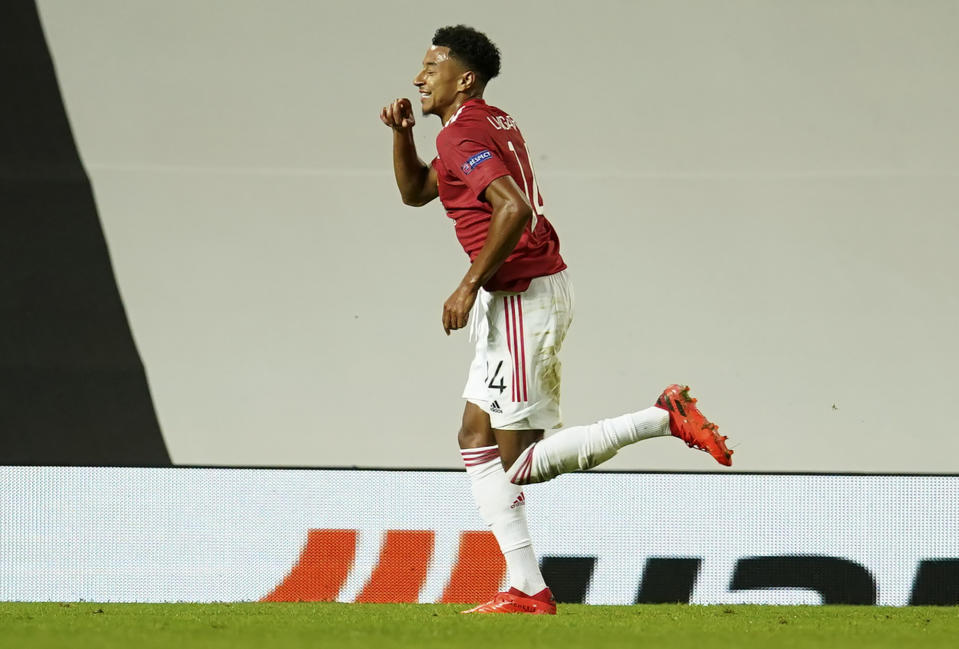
(688, 424)
(522, 388)
(583, 447)
(578, 448)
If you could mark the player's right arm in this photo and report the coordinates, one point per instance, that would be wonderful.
(415, 179)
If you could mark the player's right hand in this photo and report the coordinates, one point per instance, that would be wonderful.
(398, 115)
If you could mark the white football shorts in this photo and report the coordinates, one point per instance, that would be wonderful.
(515, 373)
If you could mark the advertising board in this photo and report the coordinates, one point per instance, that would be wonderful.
(200, 535)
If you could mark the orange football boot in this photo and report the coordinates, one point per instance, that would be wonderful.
(689, 425)
(516, 601)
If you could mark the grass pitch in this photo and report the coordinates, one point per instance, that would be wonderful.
(378, 626)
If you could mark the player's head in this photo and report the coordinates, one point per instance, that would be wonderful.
(457, 66)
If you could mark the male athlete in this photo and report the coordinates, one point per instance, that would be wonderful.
(517, 299)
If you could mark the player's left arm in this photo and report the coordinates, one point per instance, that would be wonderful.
(511, 213)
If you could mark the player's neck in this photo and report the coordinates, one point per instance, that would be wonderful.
(456, 105)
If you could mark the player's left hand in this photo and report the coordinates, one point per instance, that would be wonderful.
(456, 310)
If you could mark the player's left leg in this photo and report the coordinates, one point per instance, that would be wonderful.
(502, 506)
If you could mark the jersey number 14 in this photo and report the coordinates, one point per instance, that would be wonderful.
(532, 192)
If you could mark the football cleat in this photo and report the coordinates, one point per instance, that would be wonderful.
(688, 424)
(516, 601)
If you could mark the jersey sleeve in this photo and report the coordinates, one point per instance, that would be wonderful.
(472, 156)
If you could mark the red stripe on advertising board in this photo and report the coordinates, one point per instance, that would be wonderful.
(321, 570)
(479, 570)
(401, 572)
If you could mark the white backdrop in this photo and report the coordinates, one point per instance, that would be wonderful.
(757, 198)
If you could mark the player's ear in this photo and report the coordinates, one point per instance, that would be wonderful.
(467, 80)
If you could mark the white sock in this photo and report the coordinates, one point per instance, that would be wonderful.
(582, 447)
(502, 506)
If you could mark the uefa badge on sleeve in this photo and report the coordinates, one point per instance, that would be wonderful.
(476, 160)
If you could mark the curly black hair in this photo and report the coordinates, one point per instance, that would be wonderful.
(473, 48)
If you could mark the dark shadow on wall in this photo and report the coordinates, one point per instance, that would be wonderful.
(72, 386)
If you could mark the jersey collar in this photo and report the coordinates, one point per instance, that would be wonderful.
(472, 100)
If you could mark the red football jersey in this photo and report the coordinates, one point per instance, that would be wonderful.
(479, 144)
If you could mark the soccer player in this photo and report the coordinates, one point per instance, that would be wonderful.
(517, 300)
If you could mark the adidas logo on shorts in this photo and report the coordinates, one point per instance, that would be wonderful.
(494, 407)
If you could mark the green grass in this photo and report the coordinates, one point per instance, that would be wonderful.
(377, 626)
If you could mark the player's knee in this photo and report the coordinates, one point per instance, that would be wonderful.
(472, 436)
(475, 433)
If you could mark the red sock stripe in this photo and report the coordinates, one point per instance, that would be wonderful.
(474, 457)
(527, 467)
(478, 450)
(522, 345)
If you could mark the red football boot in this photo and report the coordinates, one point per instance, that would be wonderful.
(516, 601)
(689, 425)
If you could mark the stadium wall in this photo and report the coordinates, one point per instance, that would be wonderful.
(208, 534)
(758, 199)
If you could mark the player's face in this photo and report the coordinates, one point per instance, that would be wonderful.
(439, 81)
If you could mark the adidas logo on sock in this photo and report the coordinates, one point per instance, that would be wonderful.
(494, 407)
(520, 500)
